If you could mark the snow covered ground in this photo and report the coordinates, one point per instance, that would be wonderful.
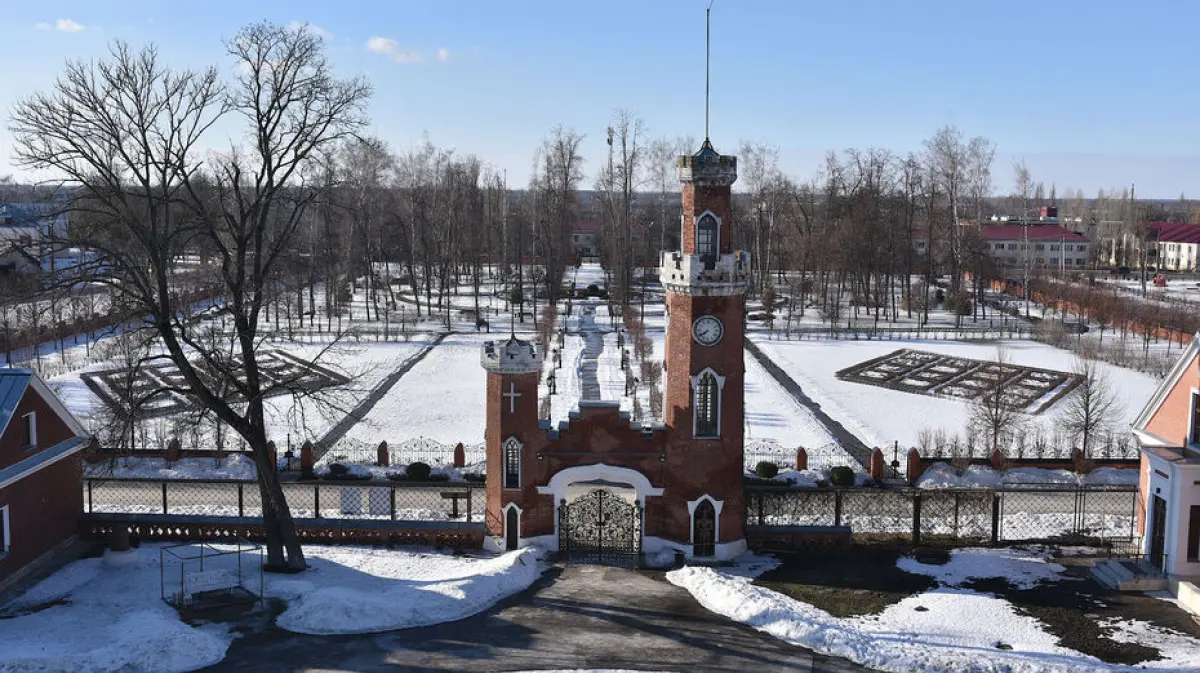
(880, 416)
(948, 628)
(108, 616)
(441, 398)
(943, 475)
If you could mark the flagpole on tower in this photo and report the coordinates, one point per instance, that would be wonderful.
(707, 50)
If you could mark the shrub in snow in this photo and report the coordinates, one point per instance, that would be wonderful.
(418, 471)
(440, 476)
(841, 476)
(766, 469)
(477, 478)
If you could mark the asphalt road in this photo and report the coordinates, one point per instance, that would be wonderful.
(580, 617)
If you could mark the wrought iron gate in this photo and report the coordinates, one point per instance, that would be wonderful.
(600, 527)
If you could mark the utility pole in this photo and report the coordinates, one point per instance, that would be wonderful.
(1141, 235)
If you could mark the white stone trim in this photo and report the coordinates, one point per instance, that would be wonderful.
(512, 439)
(720, 398)
(692, 505)
(6, 528)
(504, 517)
(696, 233)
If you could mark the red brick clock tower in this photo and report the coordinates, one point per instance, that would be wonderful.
(705, 286)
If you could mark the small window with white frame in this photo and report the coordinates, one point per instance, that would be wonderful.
(29, 434)
(1194, 430)
(5, 532)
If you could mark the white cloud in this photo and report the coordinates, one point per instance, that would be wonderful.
(68, 26)
(312, 28)
(64, 25)
(393, 50)
(443, 54)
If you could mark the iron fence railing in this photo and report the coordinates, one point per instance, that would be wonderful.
(378, 500)
(1104, 515)
(989, 330)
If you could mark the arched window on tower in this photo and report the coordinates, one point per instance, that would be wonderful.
(707, 233)
(512, 463)
(707, 405)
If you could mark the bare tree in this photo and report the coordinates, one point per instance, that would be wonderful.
(992, 414)
(127, 132)
(1092, 407)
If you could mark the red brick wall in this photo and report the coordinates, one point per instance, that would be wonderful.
(50, 430)
(501, 424)
(696, 200)
(1172, 420)
(44, 509)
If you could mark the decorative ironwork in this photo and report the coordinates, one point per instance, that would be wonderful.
(704, 530)
(600, 527)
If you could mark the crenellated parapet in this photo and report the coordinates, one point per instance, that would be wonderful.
(688, 274)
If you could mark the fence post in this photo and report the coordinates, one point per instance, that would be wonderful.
(392, 503)
(316, 500)
(996, 505)
(470, 502)
(760, 507)
(916, 522)
(837, 507)
(241, 499)
(89, 485)
(164, 496)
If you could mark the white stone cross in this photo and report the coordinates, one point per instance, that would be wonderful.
(512, 396)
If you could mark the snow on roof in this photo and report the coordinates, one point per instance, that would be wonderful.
(1016, 232)
(1174, 232)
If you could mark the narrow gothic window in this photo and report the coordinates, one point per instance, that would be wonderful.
(512, 463)
(706, 240)
(706, 406)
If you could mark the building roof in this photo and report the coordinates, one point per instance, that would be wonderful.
(14, 383)
(29, 214)
(586, 225)
(1174, 232)
(1016, 232)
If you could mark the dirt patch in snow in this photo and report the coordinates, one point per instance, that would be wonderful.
(848, 583)
(1077, 609)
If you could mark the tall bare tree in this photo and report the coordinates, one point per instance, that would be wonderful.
(992, 414)
(1092, 407)
(127, 133)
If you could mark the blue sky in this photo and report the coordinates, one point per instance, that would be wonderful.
(1092, 94)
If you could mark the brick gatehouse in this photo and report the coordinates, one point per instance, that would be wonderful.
(680, 483)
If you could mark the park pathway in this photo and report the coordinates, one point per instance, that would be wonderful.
(360, 411)
(579, 617)
(593, 346)
(854, 446)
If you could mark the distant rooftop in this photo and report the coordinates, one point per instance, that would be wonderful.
(1174, 232)
(1016, 232)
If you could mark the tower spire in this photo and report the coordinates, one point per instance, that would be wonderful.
(707, 50)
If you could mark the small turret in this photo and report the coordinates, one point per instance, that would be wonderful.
(512, 356)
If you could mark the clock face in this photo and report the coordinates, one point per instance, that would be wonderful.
(707, 330)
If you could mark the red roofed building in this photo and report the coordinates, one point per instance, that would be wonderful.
(1047, 246)
(1178, 245)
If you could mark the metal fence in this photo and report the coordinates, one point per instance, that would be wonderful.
(402, 454)
(819, 457)
(1094, 515)
(985, 331)
(378, 500)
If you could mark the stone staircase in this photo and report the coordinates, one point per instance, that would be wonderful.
(1133, 574)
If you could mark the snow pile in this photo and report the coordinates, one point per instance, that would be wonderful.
(111, 618)
(811, 478)
(365, 590)
(235, 466)
(935, 637)
(1023, 569)
(944, 475)
(945, 629)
